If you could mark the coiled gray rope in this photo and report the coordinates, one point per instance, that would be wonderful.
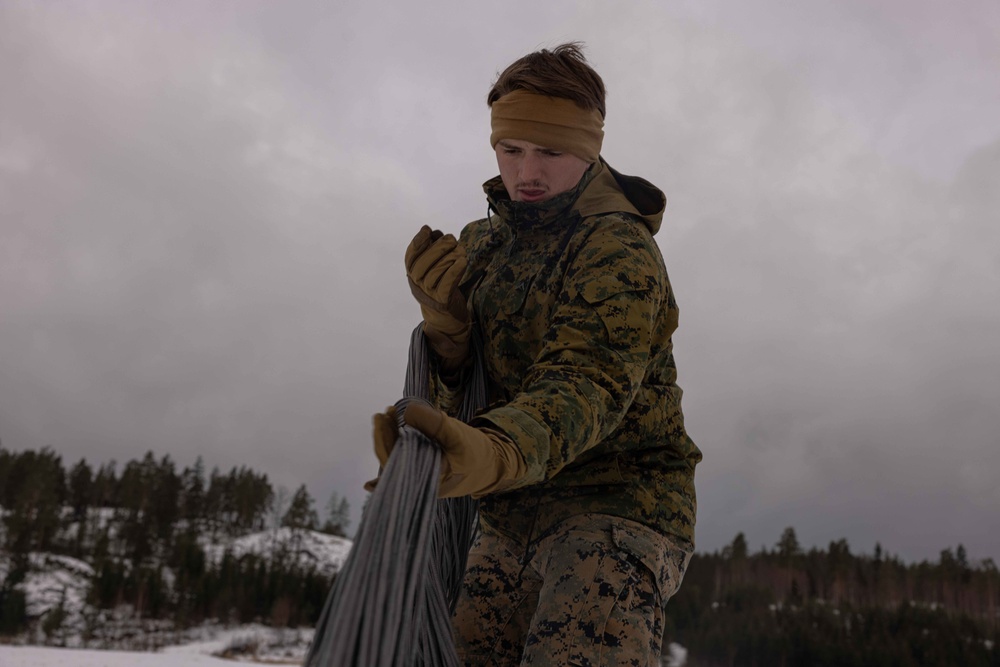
(392, 601)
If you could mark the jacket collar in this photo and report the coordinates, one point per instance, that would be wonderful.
(531, 215)
(601, 190)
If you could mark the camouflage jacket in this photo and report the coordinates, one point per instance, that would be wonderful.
(576, 312)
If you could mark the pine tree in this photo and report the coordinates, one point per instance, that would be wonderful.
(81, 492)
(214, 502)
(135, 497)
(337, 515)
(34, 495)
(193, 492)
(165, 502)
(81, 489)
(13, 605)
(105, 486)
(788, 546)
(300, 512)
(6, 463)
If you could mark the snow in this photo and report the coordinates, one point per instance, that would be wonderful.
(39, 656)
(295, 643)
(189, 655)
(676, 655)
(326, 552)
(53, 579)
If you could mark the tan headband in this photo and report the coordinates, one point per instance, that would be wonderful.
(552, 122)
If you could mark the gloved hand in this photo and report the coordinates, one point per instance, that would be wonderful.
(385, 432)
(435, 264)
(477, 461)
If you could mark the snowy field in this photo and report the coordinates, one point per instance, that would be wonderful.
(293, 645)
(43, 656)
(195, 655)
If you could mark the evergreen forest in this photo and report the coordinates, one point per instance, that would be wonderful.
(146, 529)
(834, 608)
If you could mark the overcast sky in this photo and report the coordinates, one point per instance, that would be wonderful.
(204, 207)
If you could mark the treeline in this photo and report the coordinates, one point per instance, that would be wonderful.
(144, 531)
(831, 607)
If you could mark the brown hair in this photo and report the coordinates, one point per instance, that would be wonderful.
(562, 72)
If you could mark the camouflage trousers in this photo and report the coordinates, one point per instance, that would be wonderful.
(590, 593)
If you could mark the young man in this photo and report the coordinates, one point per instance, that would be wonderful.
(582, 463)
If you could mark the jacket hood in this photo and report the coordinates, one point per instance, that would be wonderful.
(613, 192)
(602, 190)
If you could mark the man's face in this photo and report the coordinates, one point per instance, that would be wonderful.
(533, 173)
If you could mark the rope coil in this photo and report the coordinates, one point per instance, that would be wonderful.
(392, 601)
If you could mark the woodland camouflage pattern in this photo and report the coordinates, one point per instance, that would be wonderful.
(576, 311)
(602, 603)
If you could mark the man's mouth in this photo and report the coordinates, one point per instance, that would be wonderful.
(531, 194)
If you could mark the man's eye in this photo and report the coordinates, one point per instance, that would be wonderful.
(552, 153)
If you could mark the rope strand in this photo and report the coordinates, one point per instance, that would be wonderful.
(391, 603)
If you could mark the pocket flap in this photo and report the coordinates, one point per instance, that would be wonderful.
(659, 553)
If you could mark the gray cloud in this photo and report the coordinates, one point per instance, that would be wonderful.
(203, 210)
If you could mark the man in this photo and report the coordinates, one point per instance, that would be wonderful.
(582, 463)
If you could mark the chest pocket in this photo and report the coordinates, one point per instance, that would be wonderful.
(515, 298)
(627, 314)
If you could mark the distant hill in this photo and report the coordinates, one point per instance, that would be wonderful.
(59, 601)
(93, 555)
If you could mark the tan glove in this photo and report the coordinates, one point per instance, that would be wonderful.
(435, 264)
(477, 461)
(385, 432)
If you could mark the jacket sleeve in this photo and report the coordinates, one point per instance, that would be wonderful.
(594, 356)
(448, 396)
(442, 394)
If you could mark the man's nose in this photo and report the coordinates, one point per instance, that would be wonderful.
(531, 168)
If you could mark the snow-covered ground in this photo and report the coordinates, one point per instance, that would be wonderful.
(193, 655)
(293, 644)
(675, 656)
(43, 656)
